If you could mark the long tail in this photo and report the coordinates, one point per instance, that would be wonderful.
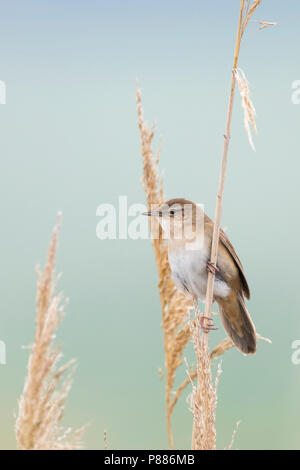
(237, 322)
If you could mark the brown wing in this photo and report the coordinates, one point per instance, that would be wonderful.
(225, 242)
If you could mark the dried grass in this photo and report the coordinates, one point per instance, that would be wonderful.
(230, 446)
(205, 393)
(105, 440)
(41, 405)
(266, 24)
(247, 105)
(175, 306)
(247, 12)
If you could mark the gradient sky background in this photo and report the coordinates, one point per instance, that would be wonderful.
(69, 141)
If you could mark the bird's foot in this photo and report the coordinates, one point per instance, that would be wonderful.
(207, 324)
(212, 267)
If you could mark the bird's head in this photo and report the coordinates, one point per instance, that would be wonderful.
(177, 216)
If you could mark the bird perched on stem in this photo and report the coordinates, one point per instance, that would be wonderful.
(189, 233)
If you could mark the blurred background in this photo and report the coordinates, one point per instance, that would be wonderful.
(69, 141)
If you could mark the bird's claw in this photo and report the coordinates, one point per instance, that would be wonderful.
(212, 267)
(207, 324)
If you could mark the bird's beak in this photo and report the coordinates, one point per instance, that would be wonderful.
(151, 213)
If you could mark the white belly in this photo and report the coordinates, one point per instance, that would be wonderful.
(189, 271)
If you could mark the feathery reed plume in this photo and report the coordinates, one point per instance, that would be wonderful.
(204, 395)
(247, 12)
(41, 405)
(247, 105)
(175, 306)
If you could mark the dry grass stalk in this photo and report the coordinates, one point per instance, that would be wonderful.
(41, 405)
(205, 395)
(266, 24)
(204, 398)
(175, 306)
(229, 447)
(105, 441)
(247, 12)
(160, 373)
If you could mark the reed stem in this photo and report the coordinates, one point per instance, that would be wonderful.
(205, 394)
(219, 201)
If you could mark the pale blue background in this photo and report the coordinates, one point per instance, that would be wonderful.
(69, 141)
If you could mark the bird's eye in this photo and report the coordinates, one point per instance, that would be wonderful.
(172, 212)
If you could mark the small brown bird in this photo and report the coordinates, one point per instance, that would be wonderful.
(189, 232)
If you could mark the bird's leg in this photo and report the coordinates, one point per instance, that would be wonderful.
(212, 267)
